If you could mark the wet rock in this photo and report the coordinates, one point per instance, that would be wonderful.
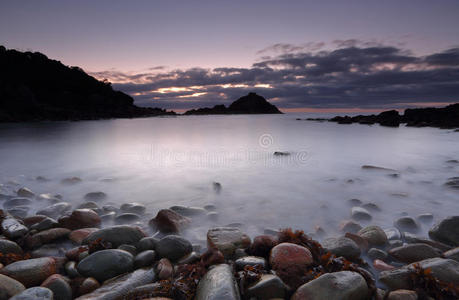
(46, 236)
(49, 198)
(262, 245)
(452, 254)
(106, 264)
(425, 218)
(146, 243)
(46, 223)
(7, 246)
(168, 221)
(31, 272)
(25, 192)
(133, 208)
(12, 229)
(287, 256)
(95, 196)
(55, 210)
(71, 270)
(59, 286)
(393, 234)
(402, 295)
(382, 266)
(173, 247)
(126, 218)
(119, 287)
(250, 261)
(88, 285)
(71, 180)
(227, 239)
(116, 235)
(9, 287)
(144, 259)
(374, 235)
(218, 283)
(108, 217)
(446, 231)
(14, 202)
(354, 202)
(217, 187)
(349, 226)
(36, 293)
(49, 250)
(360, 241)
(344, 285)
(19, 211)
(360, 214)
(268, 287)
(371, 207)
(164, 269)
(446, 270)
(412, 239)
(375, 253)
(32, 220)
(342, 246)
(80, 218)
(453, 183)
(212, 257)
(129, 248)
(89, 204)
(414, 252)
(189, 258)
(407, 224)
(188, 211)
(77, 236)
(74, 253)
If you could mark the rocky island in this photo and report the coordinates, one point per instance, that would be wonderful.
(249, 104)
(35, 88)
(445, 117)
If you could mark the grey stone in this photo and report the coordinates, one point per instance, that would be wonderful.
(250, 261)
(133, 208)
(344, 285)
(9, 287)
(144, 259)
(407, 223)
(173, 247)
(374, 235)
(414, 252)
(375, 253)
(55, 210)
(35, 293)
(147, 243)
(106, 264)
(12, 229)
(218, 284)
(116, 235)
(446, 231)
(268, 287)
(360, 214)
(227, 239)
(14, 202)
(7, 246)
(452, 254)
(342, 246)
(126, 218)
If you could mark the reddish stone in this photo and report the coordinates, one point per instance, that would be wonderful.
(77, 236)
(213, 256)
(168, 221)
(46, 236)
(360, 241)
(287, 255)
(29, 221)
(262, 245)
(31, 272)
(74, 253)
(80, 218)
(164, 269)
(382, 266)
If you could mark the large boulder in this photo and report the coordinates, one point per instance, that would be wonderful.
(106, 264)
(446, 270)
(218, 284)
(344, 285)
(116, 235)
(447, 231)
(227, 239)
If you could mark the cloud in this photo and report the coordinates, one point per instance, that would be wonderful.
(354, 74)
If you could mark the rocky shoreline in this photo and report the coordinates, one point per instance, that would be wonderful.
(94, 249)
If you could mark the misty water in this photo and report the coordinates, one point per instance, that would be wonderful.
(161, 162)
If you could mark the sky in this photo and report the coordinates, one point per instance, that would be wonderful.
(300, 55)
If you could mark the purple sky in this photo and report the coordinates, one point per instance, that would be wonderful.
(124, 40)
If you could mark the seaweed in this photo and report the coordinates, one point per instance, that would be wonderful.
(98, 245)
(248, 276)
(9, 258)
(426, 284)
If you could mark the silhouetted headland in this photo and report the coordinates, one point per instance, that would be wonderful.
(445, 117)
(34, 88)
(250, 104)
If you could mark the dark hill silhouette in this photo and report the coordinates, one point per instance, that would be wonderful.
(250, 104)
(34, 88)
(444, 117)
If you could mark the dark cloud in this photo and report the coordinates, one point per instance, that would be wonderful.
(356, 74)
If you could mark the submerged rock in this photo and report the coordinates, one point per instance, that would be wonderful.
(227, 239)
(133, 208)
(407, 224)
(95, 196)
(106, 264)
(360, 214)
(344, 285)
(218, 284)
(25, 192)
